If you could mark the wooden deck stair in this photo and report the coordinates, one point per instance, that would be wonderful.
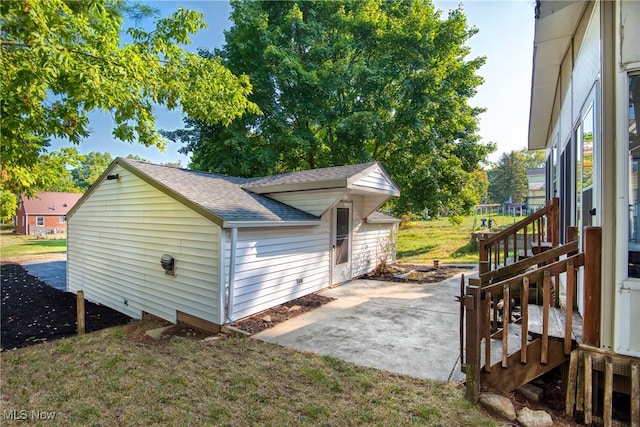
(541, 282)
(515, 374)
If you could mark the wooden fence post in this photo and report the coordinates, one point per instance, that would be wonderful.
(592, 290)
(472, 302)
(80, 311)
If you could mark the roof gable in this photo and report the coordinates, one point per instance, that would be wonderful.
(317, 190)
(231, 201)
(49, 203)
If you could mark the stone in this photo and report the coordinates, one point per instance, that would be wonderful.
(295, 308)
(233, 331)
(267, 318)
(531, 418)
(531, 392)
(157, 333)
(498, 405)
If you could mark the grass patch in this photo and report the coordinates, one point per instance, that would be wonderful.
(109, 379)
(14, 245)
(423, 241)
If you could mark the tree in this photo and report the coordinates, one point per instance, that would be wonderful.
(534, 158)
(349, 82)
(509, 178)
(8, 205)
(63, 59)
(90, 168)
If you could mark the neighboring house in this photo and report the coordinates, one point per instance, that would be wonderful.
(45, 213)
(536, 196)
(229, 247)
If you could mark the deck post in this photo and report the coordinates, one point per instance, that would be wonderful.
(592, 285)
(473, 328)
(482, 254)
(555, 229)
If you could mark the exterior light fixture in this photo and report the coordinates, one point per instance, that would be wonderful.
(168, 263)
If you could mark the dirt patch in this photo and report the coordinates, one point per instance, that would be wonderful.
(393, 273)
(33, 312)
(271, 317)
(418, 273)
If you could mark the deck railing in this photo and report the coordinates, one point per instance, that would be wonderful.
(528, 358)
(523, 239)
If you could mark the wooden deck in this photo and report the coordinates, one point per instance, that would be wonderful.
(514, 337)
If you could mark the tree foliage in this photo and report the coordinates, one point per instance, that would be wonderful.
(63, 59)
(90, 168)
(348, 82)
(8, 205)
(509, 178)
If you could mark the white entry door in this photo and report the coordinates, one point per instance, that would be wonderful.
(341, 247)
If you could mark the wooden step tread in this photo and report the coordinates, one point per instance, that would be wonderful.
(556, 322)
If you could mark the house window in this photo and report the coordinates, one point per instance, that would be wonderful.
(62, 219)
(40, 221)
(634, 177)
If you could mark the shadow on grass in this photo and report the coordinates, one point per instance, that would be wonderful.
(465, 251)
(415, 252)
(59, 243)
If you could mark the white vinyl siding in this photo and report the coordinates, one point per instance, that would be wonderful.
(587, 65)
(270, 263)
(376, 180)
(368, 241)
(629, 24)
(116, 239)
(373, 244)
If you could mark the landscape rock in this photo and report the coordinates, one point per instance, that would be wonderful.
(530, 418)
(158, 333)
(267, 318)
(498, 405)
(531, 392)
(295, 308)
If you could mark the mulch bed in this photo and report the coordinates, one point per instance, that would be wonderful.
(32, 312)
(428, 274)
(271, 317)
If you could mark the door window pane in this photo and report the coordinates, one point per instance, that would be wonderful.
(342, 235)
(634, 187)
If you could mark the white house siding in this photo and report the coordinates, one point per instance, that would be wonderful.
(375, 180)
(629, 24)
(369, 242)
(587, 65)
(276, 265)
(116, 238)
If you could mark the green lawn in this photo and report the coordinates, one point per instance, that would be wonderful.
(12, 245)
(423, 241)
(117, 377)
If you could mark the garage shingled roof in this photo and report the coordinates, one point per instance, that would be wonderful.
(219, 194)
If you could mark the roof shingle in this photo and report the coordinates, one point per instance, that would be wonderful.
(219, 194)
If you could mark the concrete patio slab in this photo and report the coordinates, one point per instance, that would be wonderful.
(405, 328)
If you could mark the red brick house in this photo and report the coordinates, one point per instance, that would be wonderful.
(45, 214)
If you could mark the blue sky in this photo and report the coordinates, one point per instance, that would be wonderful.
(505, 37)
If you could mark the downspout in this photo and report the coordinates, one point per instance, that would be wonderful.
(232, 273)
